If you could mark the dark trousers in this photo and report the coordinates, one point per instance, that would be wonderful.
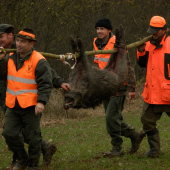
(15, 121)
(115, 124)
(151, 114)
(2, 103)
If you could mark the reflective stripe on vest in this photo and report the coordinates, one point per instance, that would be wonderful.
(22, 84)
(21, 91)
(22, 80)
(102, 59)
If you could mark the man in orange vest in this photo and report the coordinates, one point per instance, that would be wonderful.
(155, 56)
(7, 40)
(29, 84)
(115, 124)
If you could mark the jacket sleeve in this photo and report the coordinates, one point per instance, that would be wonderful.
(142, 58)
(56, 80)
(3, 67)
(44, 80)
(131, 79)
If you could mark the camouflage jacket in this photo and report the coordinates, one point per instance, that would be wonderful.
(131, 79)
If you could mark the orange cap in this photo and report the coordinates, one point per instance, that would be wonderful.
(156, 23)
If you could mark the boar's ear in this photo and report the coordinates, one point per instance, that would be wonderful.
(73, 44)
(80, 45)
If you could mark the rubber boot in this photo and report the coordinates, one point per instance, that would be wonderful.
(115, 152)
(48, 151)
(154, 143)
(136, 139)
(33, 164)
(14, 161)
(23, 160)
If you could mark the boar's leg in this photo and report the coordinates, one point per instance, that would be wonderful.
(79, 47)
(73, 45)
(117, 62)
(79, 78)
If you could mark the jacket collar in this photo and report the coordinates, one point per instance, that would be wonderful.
(159, 42)
(99, 43)
(27, 56)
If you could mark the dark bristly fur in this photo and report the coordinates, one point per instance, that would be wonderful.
(90, 85)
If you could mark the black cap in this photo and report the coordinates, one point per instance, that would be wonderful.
(153, 30)
(5, 27)
(27, 33)
(104, 22)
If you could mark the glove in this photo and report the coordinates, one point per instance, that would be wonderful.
(141, 48)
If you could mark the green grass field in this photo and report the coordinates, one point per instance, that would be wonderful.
(81, 142)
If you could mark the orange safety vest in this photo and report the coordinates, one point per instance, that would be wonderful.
(157, 86)
(22, 84)
(102, 59)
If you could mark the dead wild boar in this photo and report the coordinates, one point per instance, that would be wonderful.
(91, 85)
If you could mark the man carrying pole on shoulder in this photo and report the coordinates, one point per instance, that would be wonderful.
(115, 124)
(155, 56)
(8, 40)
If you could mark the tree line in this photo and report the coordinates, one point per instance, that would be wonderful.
(54, 21)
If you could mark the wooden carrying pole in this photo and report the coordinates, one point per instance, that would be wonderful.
(67, 56)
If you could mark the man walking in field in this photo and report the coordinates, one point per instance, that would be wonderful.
(115, 124)
(155, 56)
(7, 40)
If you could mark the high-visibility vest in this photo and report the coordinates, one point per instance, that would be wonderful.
(102, 59)
(22, 84)
(157, 86)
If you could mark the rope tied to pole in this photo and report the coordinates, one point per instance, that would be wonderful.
(63, 59)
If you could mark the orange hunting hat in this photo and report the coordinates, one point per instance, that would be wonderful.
(27, 33)
(156, 23)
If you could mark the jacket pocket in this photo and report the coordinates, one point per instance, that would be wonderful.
(167, 66)
(165, 91)
(145, 93)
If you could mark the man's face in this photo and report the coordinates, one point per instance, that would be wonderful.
(159, 34)
(6, 39)
(102, 32)
(23, 45)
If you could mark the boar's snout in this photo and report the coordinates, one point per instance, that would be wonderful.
(68, 102)
(72, 99)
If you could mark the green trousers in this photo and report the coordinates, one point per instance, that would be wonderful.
(151, 114)
(15, 121)
(2, 102)
(3, 86)
(115, 124)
